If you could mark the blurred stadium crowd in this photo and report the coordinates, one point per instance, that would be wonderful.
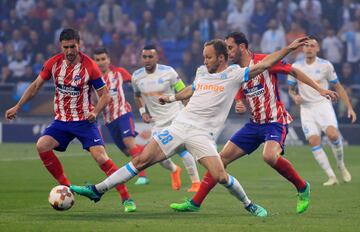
(29, 32)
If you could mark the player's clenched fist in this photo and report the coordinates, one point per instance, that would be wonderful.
(10, 114)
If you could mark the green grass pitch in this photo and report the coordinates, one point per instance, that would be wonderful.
(25, 184)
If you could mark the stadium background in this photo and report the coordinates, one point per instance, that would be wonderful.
(29, 33)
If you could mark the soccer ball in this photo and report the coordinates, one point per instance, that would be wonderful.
(61, 198)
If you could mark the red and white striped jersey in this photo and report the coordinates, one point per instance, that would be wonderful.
(118, 106)
(262, 94)
(72, 86)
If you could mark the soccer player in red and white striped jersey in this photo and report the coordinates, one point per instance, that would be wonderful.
(74, 75)
(268, 123)
(117, 114)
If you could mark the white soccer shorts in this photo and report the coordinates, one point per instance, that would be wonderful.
(197, 141)
(316, 118)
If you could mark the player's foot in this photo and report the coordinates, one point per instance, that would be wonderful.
(129, 206)
(142, 180)
(88, 191)
(194, 187)
(187, 206)
(175, 179)
(331, 181)
(345, 174)
(303, 199)
(256, 210)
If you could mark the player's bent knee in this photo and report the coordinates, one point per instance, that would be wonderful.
(269, 158)
(43, 146)
(333, 136)
(314, 141)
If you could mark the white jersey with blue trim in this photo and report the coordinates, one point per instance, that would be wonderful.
(153, 85)
(322, 72)
(212, 98)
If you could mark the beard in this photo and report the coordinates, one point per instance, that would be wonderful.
(71, 57)
(214, 68)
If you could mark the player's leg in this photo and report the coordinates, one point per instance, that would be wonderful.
(175, 173)
(168, 164)
(128, 138)
(190, 165)
(90, 137)
(151, 155)
(242, 142)
(337, 148)
(205, 151)
(109, 167)
(311, 121)
(322, 159)
(122, 131)
(229, 153)
(275, 135)
(135, 150)
(54, 137)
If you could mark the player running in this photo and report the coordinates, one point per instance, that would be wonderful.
(117, 114)
(268, 123)
(211, 95)
(150, 82)
(74, 74)
(317, 113)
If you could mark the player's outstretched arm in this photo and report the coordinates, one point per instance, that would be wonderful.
(104, 99)
(29, 93)
(275, 57)
(185, 94)
(298, 74)
(345, 98)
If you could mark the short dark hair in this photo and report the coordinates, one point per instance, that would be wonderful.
(239, 38)
(69, 34)
(312, 37)
(219, 46)
(150, 47)
(101, 50)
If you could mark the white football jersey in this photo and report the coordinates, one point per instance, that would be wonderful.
(212, 98)
(321, 71)
(153, 85)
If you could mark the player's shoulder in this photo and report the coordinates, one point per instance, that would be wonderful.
(201, 70)
(234, 69)
(87, 61)
(256, 57)
(299, 62)
(163, 67)
(323, 61)
(54, 59)
(138, 73)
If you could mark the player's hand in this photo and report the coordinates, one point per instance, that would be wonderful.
(146, 117)
(91, 117)
(352, 115)
(298, 43)
(331, 95)
(164, 99)
(240, 107)
(10, 114)
(297, 99)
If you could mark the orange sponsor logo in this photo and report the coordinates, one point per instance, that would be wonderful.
(216, 88)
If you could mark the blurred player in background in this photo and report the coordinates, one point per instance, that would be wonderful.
(268, 123)
(211, 97)
(150, 82)
(74, 74)
(317, 113)
(117, 114)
